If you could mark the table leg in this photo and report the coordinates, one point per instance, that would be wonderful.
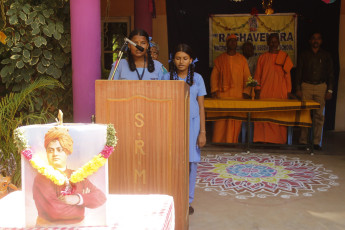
(311, 140)
(248, 132)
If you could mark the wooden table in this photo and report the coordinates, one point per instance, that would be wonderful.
(149, 212)
(280, 111)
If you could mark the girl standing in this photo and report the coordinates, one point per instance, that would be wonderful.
(139, 64)
(182, 68)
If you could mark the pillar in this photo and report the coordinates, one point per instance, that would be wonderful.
(142, 15)
(340, 109)
(86, 56)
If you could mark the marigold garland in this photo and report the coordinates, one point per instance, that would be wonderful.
(55, 175)
(260, 21)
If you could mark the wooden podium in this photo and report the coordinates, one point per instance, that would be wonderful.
(152, 123)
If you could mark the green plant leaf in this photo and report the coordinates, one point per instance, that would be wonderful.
(51, 27)
(45, 62)
(17, 37)
(39, 41)
(13, 20)
(29, 21)
(26, 8)
(16, 49)
(18, 77)
(26, 59)
(44, 41)
(50, 70)
(4, 71)
(47, 54)
(46, 13)
(57, 73)
(59, 61)
(34, 25)
(26, 53)
(63, 42)
(6, 61)
(59, 27)
(26, 77)
(20, 64)
(34, 60)
(36, 52)
(40, 68)
(41, 19)
(46, 31)
(57, 35)
(19, 44)
(10, 12)
(15, 56)
(22, 31)
(9, 43)
(38, 103)
(28, 46)
(35, 31)
(32, 15)
(22, 16)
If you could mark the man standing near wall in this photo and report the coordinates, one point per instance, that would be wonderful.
(315, 82)
(228, 80)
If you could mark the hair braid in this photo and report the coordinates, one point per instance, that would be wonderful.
(131, 62)
(150, 63)
(172, 69)
(190, 76)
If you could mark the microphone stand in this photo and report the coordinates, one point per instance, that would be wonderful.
(123, 48)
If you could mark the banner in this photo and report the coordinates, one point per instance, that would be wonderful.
(255, 29)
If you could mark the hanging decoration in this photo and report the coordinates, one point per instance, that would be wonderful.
(253, 24)
(276, 30)
(267, 6)
(226, 27)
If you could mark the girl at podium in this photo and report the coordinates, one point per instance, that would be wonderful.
(182, 68)
(139, 64)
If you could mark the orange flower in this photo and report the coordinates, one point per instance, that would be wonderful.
(2, 37)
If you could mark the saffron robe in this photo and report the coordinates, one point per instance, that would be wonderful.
(273, 75)
(52, 211)
(228, 80)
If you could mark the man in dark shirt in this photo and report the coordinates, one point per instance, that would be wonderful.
(315, 82)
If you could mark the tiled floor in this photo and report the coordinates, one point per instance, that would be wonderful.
(320, 211)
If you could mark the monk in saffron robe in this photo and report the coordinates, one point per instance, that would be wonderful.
(273, 75)
(228, 80)
(65, 204)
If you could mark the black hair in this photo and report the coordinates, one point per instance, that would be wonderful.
(273, 35)
(247, 44)
(173, 74)
(311, 34)
(131, 63)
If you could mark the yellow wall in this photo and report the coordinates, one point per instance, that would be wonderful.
(159, 24)
(340, 109)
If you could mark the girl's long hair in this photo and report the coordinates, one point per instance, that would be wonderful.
(131, 63)
(173, 70)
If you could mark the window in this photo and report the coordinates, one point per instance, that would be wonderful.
(114, 31)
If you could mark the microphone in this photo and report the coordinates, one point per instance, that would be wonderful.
(136, 46)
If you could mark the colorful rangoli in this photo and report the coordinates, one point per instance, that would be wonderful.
(262, 175)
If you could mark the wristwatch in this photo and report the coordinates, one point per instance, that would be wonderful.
(330, 91)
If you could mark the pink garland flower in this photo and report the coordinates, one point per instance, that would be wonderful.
(107, 151)
(27, 153)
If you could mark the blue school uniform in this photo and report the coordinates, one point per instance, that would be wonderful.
(197, 89)
(124, 73)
